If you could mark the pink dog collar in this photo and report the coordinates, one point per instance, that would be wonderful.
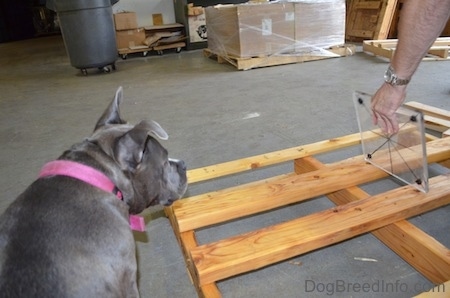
(91, 176)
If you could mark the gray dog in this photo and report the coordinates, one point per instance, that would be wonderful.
(68, 234)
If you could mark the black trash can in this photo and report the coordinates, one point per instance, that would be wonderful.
(87, 27)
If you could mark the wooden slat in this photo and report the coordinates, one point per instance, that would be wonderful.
(419, 249)
(187, 242)
(442, 53)
(423, 252)
(368, 5)
(210, 291)
(246, 252)
(386, 48)
(275, 157)
(435, 118)
(281, 59)
(429, 110)
(225, 205)
(221, 206)
(385, 19)
(371, 47)
(436, 124)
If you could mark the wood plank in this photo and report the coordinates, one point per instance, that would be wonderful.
(210, 291)
(272, 158)
(385, 19)
(427, 255)
(250, 251)
(423, 252)
(386, 47)
(187, 243)
(224, 205)
(436, 124)
(368, 5)
(370, 47)
(429, 110)
(281, 59)
(364, 34)
(442, 53)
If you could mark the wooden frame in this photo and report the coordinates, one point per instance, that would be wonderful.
(356, 212)
(386, 48)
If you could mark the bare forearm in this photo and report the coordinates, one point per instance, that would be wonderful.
(421, 22)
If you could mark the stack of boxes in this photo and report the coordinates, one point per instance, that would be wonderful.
(197, 23)
(257, 30)
(128, 35)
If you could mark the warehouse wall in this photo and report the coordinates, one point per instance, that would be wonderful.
(145, 8)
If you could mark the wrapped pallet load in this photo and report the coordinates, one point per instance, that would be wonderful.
(275, 28)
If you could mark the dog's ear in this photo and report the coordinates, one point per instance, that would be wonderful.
(130, 147)
(112, 114)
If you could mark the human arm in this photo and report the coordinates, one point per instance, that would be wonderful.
(421, 22)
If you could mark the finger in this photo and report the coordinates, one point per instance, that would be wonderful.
(383, 123)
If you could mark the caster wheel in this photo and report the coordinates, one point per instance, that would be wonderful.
(106, 69)
(124, 56)
(84, 72)
(178, 50)
(145, 53)
(160, 52)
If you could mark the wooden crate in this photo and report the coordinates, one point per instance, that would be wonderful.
(257, 62)
(356, 212)
(369, 19)
(386, 48)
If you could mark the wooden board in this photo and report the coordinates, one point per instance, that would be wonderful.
(386, 48)
(404, 238)
(368, 19)
(257, 62)
(257, 249)
(356, 212)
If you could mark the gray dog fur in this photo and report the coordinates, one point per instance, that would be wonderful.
(64, 238)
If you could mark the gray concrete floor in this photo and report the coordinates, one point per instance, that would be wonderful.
(46, 105)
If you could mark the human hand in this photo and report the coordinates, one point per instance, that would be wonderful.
(384, 104)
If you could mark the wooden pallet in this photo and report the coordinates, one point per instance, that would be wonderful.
(386, 48)
(356, 213)
(257, 62)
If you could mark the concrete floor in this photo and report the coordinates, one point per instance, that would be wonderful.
(46, 105)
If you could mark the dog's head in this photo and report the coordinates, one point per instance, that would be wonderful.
(140, 165)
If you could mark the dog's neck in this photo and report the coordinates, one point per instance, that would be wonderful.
(90, 176)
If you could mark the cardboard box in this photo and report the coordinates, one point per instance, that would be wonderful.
(319, 24)
(130, 38)
(251, 30)
(125, 20)
(197, 28)
(195, 10)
